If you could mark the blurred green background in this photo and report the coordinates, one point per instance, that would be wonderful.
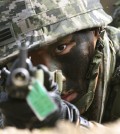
(109, 5)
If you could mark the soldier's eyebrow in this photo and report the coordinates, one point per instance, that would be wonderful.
(64, 40)
(67, 39)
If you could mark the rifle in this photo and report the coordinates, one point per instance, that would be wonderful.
(17, 79)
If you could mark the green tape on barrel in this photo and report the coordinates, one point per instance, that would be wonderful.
(40, 101)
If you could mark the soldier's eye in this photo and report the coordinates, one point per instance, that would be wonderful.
(60, 48)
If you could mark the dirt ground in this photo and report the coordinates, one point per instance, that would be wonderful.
(68, 128)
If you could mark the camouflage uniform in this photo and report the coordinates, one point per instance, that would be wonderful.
(37, 24)
(97, 100)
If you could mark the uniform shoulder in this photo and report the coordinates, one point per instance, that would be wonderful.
(112, 30)
(114, 35)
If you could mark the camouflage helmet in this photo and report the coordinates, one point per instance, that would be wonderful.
(40, 22)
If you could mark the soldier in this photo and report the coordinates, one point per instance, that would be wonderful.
(74, 36)
(87, 52)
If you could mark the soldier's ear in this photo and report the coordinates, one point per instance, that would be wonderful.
(96, 32)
